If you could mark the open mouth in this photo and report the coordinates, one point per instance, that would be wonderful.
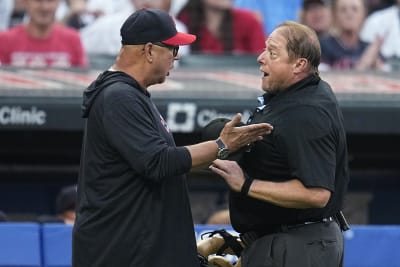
(265, 74)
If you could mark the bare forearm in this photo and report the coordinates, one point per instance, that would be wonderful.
(370, 56)
(203, 153)
(290, 194)
(232, 138)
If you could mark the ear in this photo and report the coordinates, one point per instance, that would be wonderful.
(148, 51)
(300, 65)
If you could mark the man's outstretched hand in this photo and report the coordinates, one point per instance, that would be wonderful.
(235, 137)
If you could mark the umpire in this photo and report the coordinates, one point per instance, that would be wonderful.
(287, 191)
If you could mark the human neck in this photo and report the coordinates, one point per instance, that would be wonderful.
(349, 38)
(39, 31)
(133, 71)
(213, 20)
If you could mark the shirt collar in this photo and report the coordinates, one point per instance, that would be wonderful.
(309, 80)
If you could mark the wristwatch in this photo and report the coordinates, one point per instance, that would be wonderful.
(223, 151)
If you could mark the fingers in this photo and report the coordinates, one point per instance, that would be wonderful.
(235, 120)
(217, 170)
(220, 167)
(235, 137)
(265, 128)
(218, 162)
(253, 133)
(259, 129)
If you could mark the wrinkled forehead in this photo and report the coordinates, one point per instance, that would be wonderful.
(350, 3)
(31, 5)
(277, 39)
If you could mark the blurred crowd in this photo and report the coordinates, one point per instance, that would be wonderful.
(354, 34)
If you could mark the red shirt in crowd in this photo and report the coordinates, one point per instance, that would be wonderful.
(248, 34)
(62, 48)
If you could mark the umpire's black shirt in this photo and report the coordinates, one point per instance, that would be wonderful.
(133, 207)
(308, 143)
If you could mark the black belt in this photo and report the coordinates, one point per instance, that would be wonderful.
(251, 236)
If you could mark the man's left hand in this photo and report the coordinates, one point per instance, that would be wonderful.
(230, 171)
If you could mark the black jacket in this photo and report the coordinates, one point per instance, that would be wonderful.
(133, 207)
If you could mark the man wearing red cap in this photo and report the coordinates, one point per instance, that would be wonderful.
(133, 207)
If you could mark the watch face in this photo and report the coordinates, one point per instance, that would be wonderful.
(223, 153)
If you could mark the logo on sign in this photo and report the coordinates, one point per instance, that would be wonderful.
(207, 115)
(15, 115)
(183, 117)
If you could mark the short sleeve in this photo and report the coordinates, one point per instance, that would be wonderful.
(308, 137)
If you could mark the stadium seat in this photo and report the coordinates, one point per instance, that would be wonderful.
(20, 245)
(372, 246)
(57, 245)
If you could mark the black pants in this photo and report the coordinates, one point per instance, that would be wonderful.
(314, 245)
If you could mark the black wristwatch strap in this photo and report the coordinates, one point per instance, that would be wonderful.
(223, 151)
(220, 143)
(246, 186)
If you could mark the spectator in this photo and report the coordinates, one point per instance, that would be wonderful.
(374, 5)
(100, 7)
(176, 6)
(221, 28)
(6, 9)
(316, 14)
(41, 42)
(18, 14)
(271, 12)
(66, 203)
(107, 6)
(385, 24)
(343, 49)
(105, 31)
(79, 15)
(65, 207)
